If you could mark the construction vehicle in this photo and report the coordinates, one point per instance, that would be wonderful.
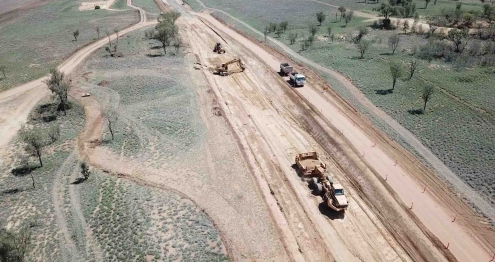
(230, 67)
(332, 193)
(297, 79)
(219, 49)
(286, 69)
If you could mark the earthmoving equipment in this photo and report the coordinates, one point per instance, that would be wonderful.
(297, 79)
(230, 67)
(332, 193)
(285, 69)
(218, 49)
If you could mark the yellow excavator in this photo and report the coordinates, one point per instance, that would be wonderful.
(230, 67)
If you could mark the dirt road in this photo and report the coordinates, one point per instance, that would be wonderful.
(432, 212)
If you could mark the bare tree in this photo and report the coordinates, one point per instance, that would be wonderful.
(109, 38)
(393, 42)
(395, 72)
(342, 11)
(60, 88)
(98, 31)
(75, 34)
(348, 17)
(413, 65)
(279, 31)
(111, 116)
(405, 26)
(3, 69)
(292, 38)
(329, 31)
(313, 29)
(427, 93)
(177, 44)
(363, 45)
(14, 246)
(54, 132)
(266, 31)
(320, 17)
(116, 31)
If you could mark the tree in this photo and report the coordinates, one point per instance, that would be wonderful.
(320, 16)
(395, 72)
(109, 38)
(3, 69)
(329, 31)
(111, 116)
(362, 31)
(54, 132)
(457, 36)
(85, 170)
(75, 34)
(168, 18)
(405, 26)
(279, 31)
(266, 31)
(14, 246)
(165, 34)
(34, 143)
(292, 38)
(273, 27)
(98, 31)
(177, 44)
(426, 3)
(427, 93)
(413, 65)
(386, 10)
(393, 42)
(313, 29)
(60, 89)
(116, 31)
(348, 17)
(284, 25)
(363, 45)
(342, 11)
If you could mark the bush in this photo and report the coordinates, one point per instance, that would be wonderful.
(97, 7)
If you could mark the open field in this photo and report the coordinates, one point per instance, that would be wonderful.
(49, 29)
(458, 148)
(189, 165)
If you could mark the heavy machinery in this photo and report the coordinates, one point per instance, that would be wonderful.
(230, 67)
(332, 193)
(219, 49)
(297, 79)
(285, 69)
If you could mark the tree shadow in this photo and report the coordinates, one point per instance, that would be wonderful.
(383, 92)
(23, 170)
(156, 47)
(330, 213)
(415, 111)
(387, 54)
(154, 55)
(78, 181)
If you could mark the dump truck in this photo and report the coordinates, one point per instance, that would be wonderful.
(322, 184)
(297, 79)
(219, 49)
(230, 67)
(286, 69)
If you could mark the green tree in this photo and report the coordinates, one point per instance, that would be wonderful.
(59, 87)
(75, 34)
(395, 73)
(427, 93)
(342, 11)
(85, 170)
(363, 45)
(313, 29)
(292, 38)
(14, 246)
(329, 31)
(34, 142)
(458, 37)
(279, 31)
(165, 34)
(426, 3)
(320, 16)
(284, 25)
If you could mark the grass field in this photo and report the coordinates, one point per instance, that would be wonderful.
(461, 136)
(49, 29)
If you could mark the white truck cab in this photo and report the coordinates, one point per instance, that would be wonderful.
(297, 79)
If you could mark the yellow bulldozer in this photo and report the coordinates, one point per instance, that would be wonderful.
(230, 67)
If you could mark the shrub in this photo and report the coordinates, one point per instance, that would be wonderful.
(97, 7)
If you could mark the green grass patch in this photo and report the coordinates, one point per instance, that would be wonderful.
(42, 38)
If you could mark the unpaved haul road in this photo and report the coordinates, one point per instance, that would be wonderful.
(16, 103)
(436, 217)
